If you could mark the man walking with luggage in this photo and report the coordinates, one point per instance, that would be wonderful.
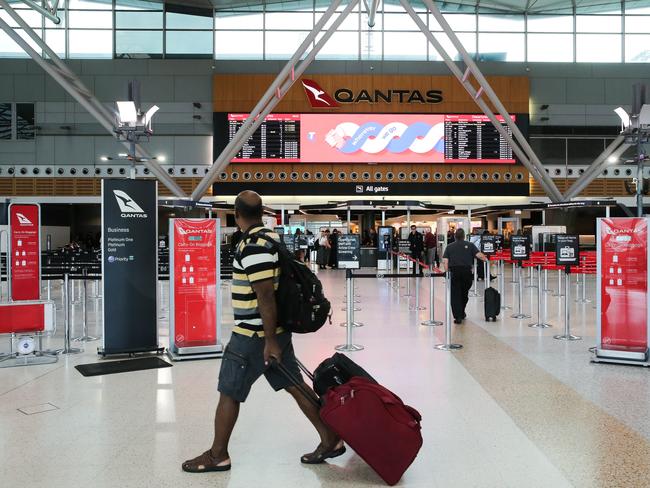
(459, 260)
(257, 339)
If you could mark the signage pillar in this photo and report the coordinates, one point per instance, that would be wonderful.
(24, 253)
(623, 297)
(129, 266)
(194, 284)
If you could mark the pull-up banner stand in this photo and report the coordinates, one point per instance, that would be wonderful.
(623, 297)
(25, 251)
(194, 289)
(130, 266)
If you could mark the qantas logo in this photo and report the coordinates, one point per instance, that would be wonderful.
(184, 232)
(128, 207)
(318, 98)
(23, 220)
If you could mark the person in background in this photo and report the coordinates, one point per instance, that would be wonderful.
(334, 245)
(431, 243)
(451, 234)
(458, 259)
(416, 246)
(373, 237)
(324, 249)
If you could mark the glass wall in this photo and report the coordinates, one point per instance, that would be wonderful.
(610, 32)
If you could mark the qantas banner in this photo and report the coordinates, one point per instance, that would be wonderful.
(623, 285)
(25, 251)
(194, 284)
(130, 265)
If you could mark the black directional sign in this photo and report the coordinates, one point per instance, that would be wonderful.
(567, 250)
(488, 245)
(519, 248)
(349, 251)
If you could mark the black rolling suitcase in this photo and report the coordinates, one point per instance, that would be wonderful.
(492, 304)
(334, 371)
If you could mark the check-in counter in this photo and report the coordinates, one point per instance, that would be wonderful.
(368, 257)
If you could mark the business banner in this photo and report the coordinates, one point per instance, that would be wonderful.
(194, 286)
(130, 265)
(623, 287)
(25, 251)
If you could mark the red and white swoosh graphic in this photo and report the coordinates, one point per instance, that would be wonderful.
(318, 98)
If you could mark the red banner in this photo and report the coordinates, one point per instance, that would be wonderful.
(623, 262)
(194, 276)
(21, 318)
(25, 251)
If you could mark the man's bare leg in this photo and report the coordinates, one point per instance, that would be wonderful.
(224, 422)
(329, 440)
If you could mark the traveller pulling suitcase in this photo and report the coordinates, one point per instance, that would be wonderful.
(372, 420)
(492, 304)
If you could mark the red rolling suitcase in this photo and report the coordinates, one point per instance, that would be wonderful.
(374, 422)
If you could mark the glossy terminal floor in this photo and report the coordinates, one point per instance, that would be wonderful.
(513, 408)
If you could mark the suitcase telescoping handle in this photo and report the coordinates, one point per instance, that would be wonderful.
(304, 369)
(273, 363)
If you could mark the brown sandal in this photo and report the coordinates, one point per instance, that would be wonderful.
(204, 463)
(321, 454)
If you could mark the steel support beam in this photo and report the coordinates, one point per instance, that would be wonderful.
(595, 171)
(76, 89)
(281, 85)
(482, 104)
(595, 168)
(372, 11)
(535, 166)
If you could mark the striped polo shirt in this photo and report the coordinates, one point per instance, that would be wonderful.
(256, 260)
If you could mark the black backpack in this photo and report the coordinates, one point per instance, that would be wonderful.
(302, 306)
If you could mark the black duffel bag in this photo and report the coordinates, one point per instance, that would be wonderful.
(334, 371)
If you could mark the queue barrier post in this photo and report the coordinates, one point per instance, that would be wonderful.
(546, 288)
(447, 345)
(417, 306)
(84, 310)
(583, 293)
(432, 322)
(408, 278)
(347, 298)
(567, 336)
(349, 346)
(520, 314)
(541, 317)
(66, 319)
(473, 293)
(559, 285)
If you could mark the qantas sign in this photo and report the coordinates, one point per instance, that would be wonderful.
(319, 98)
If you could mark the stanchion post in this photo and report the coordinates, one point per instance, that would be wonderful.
(349, 346)
(520, 314)
(408, 278)
(474, 291)
(448, 345)
(417, 306)
(84, 310)
(541, 321)
(559, 284)
(567, 336)
(431, 322)
(66, 317)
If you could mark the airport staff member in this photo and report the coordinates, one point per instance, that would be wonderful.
(459, 260)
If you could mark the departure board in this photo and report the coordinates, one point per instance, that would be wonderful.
(473, 138)
(372, 138)
(277, 138)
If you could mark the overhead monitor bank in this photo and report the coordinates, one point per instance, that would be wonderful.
(367, 138)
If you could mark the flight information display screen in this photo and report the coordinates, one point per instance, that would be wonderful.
(370, 138)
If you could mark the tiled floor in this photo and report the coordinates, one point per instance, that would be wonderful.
(513, 408)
